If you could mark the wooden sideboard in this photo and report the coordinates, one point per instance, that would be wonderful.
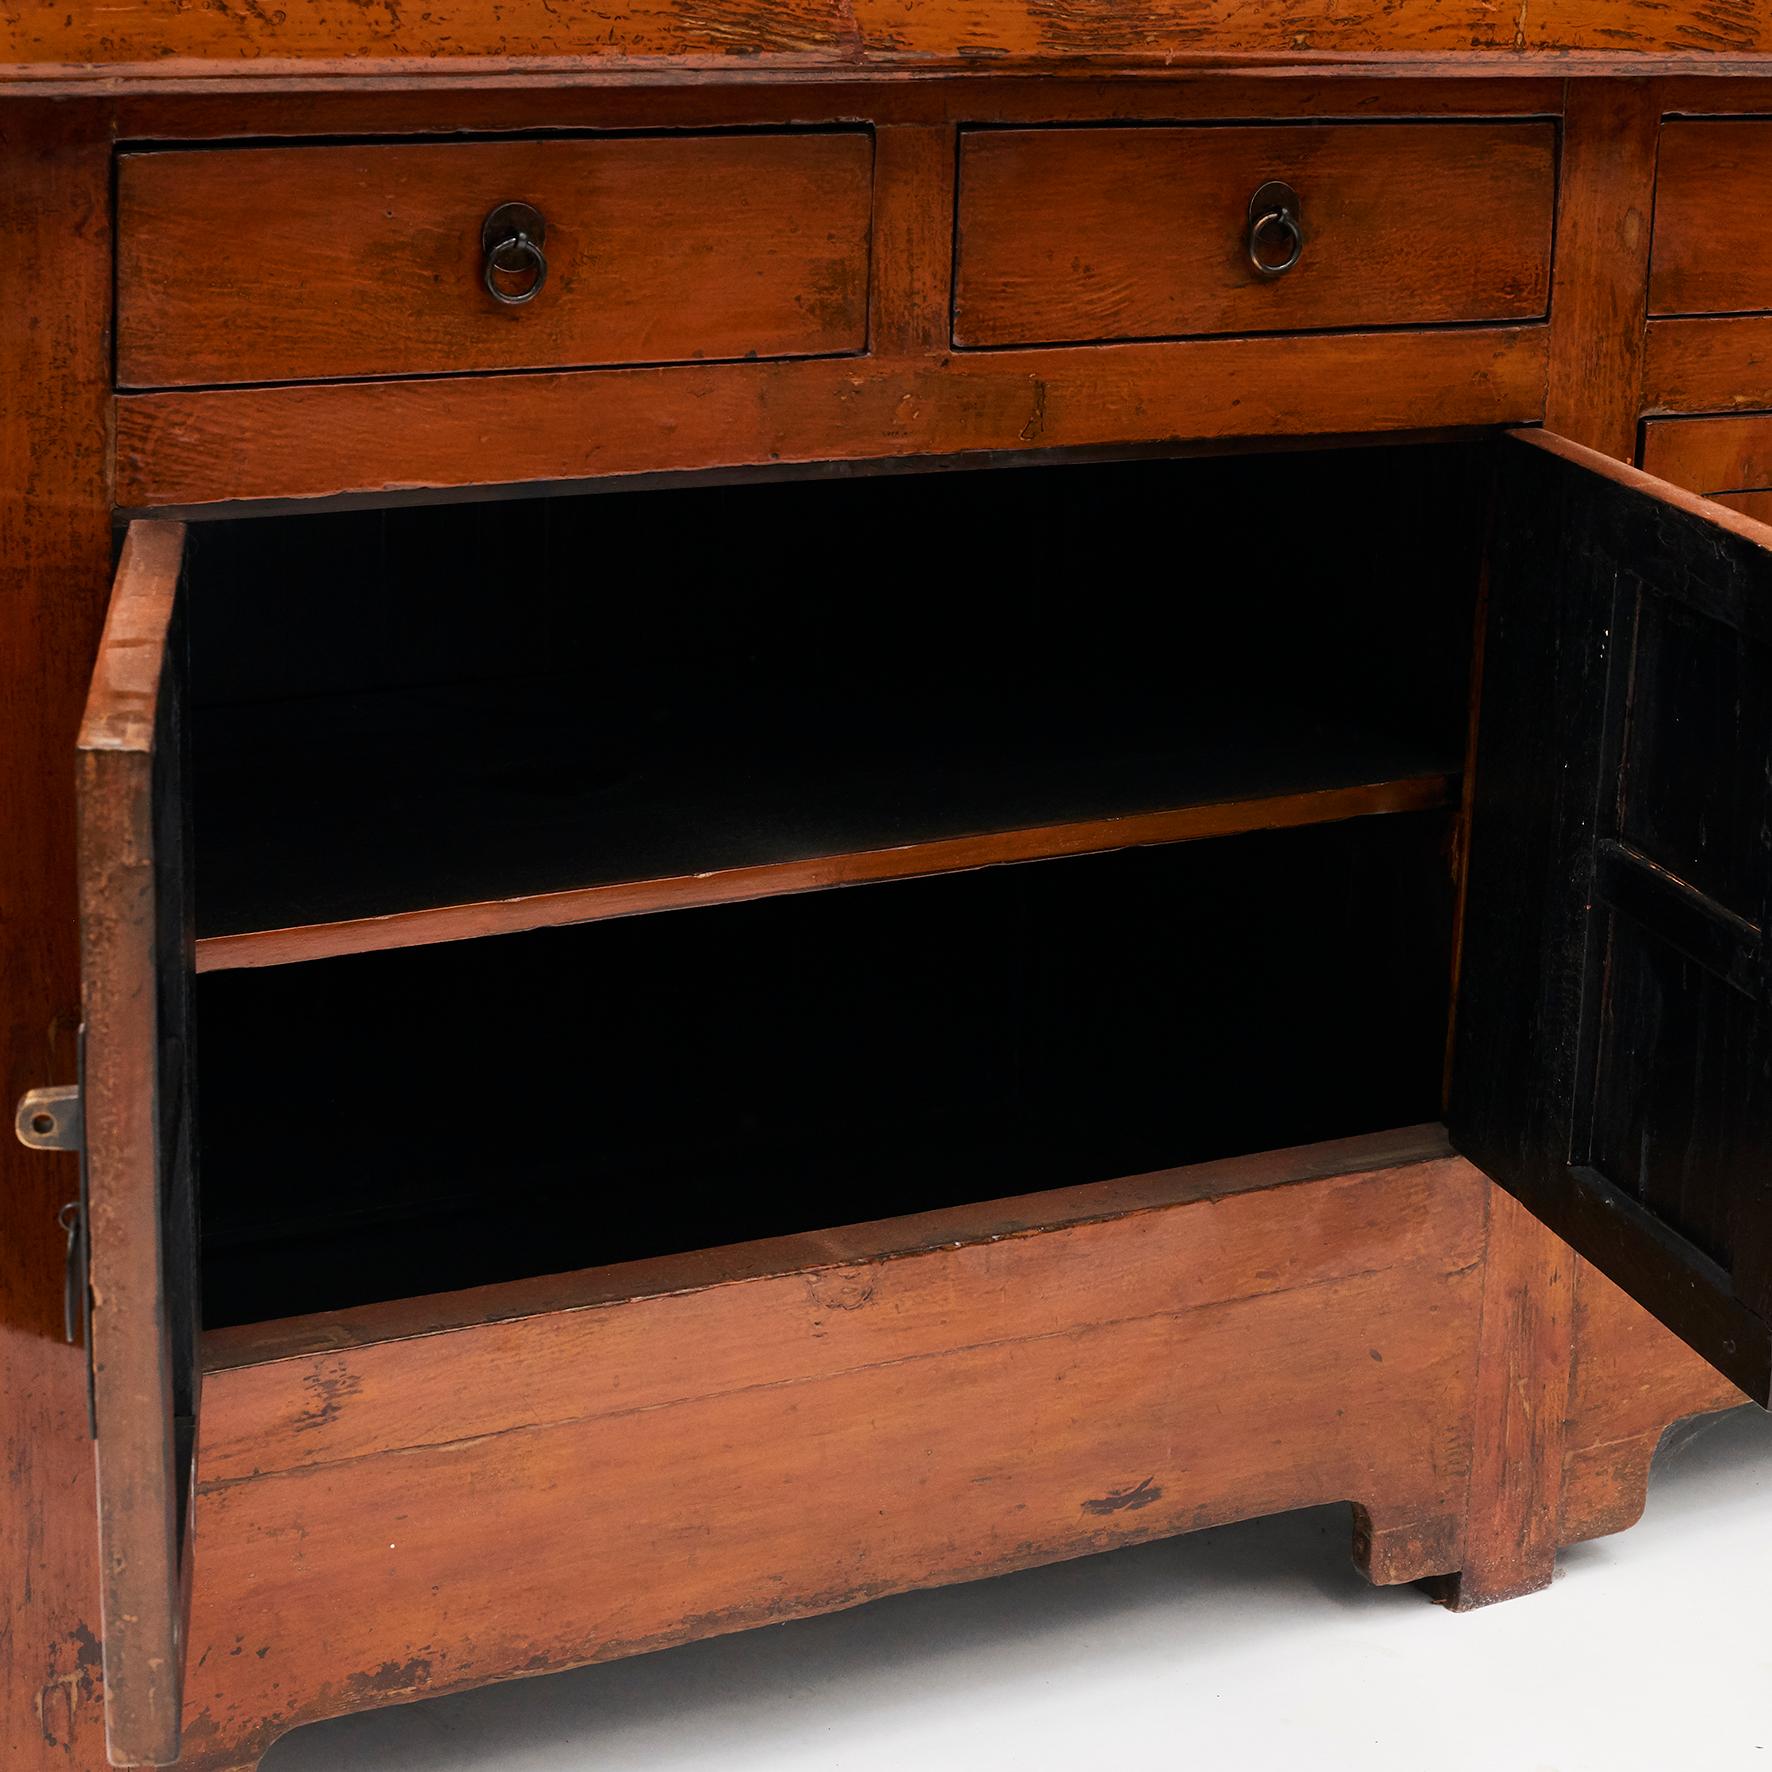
(483, 556)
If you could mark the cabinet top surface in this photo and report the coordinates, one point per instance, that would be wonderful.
(51, 42)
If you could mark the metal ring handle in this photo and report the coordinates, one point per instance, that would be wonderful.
(1282, 221)
(528, 255)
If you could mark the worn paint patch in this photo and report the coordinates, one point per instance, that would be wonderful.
(329, 1386)
(850, 1289)
(64, 1692)
(1125, 1500)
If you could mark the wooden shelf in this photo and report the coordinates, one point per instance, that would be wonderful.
(350, 824)
(776, 1067)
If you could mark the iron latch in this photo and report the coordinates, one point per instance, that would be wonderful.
(52, 1120)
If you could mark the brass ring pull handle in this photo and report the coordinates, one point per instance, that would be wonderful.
(511, 238)
(1276, 229)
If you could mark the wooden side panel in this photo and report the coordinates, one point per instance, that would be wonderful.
(292, 263)
(717, 1452)
(1709, 259)
(1080, 234)
(44, 39)
(55, 571)
(299, 442)
(137, 963)
(1630, 1380)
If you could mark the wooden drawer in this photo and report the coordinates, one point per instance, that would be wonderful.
(303, 263)
(1711, 255)
(1126, 233)
(1727, 459)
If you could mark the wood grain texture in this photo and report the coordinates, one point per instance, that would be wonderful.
(1606, 198)
(55, 570)
(1631, 1380)
(1757, 505)
(1711, 455)
(913, 239)
(1708, 259)
(1082, 234)
(952, 1395)
(179, 449)
(137, 1134)
(43, 41)
(1630, 1376)
(659, 249)
(703, 1451)
(1702, 95)
(1708, 365)
(1525, 1340)
(173, 112)
(1656, 490)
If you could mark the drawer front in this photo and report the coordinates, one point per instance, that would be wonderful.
(1727, 459)
(1712, 253)
(310, 263)
(1127, 233)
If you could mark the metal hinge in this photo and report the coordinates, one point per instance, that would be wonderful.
(53, 1120)
(50, 1119)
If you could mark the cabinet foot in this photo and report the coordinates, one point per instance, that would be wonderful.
(1487, 1583)
(1577, 1386)
(1574, 1388)
(1392, 1551)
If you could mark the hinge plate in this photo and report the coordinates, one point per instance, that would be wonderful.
(50, 1119)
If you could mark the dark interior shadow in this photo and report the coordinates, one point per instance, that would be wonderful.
(1139, 1609)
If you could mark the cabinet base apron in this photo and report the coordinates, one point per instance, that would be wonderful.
(676, 1448)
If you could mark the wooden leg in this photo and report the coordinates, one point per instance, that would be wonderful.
(1525, 1359)
(1396, 1546)
(55, 543)
(1576, 1385)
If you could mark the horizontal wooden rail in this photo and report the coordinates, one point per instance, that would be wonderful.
(457, 922)
(311, 441)
(49, 40)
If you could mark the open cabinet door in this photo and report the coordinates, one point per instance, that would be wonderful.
(137, 966)
(1613, 1064)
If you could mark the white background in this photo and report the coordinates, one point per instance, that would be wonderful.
(1246, 1649)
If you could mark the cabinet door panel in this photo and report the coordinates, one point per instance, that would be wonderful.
(137, 963)
(1613, 1066)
